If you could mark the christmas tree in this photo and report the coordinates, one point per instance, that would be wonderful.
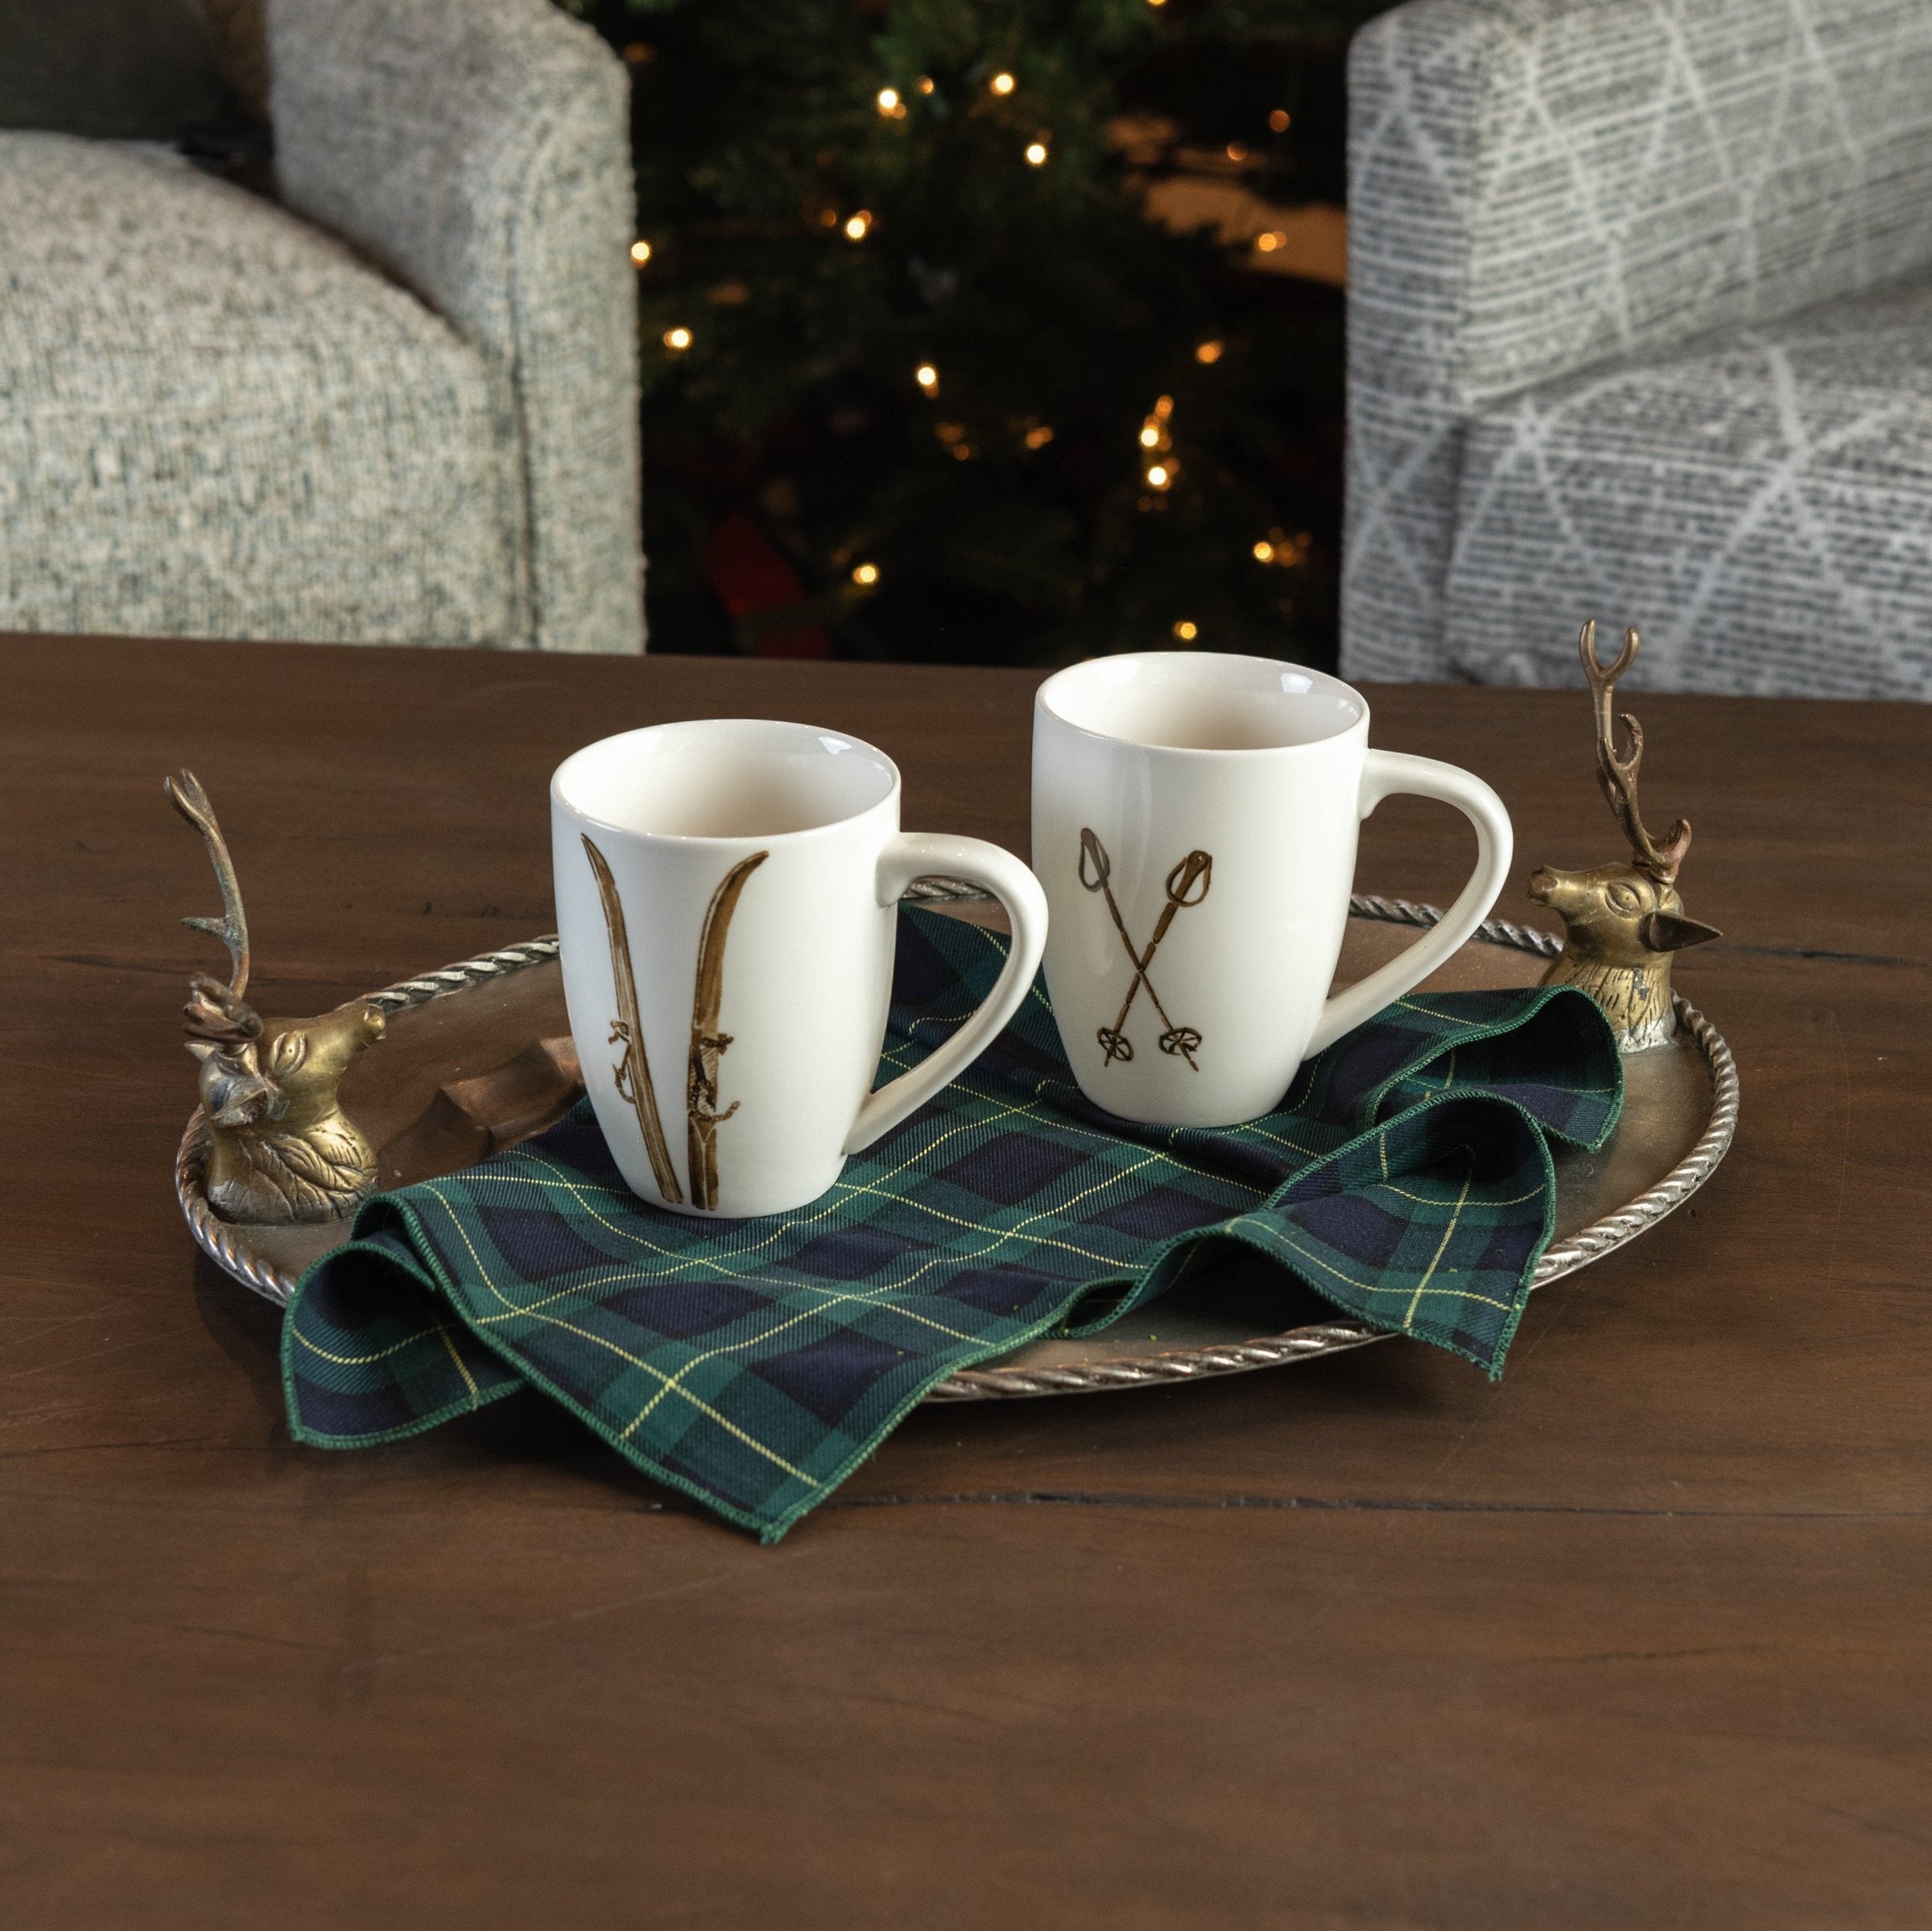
(959, 338)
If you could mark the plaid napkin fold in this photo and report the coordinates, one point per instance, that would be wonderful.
(1407, 1177)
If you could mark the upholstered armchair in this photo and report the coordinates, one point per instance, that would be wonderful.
(1640, 328)
(397, 404)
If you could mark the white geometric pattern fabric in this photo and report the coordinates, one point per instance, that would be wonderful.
(1542, 187)
(1760, 505)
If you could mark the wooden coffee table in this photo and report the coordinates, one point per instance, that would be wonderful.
(1638, 1636)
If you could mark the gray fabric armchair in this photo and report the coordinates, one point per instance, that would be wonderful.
(1640, 328)
(398, 406)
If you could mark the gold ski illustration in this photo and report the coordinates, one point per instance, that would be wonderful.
(708, 1044)
(633, 1069)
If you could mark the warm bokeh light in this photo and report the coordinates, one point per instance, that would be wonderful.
(1186, 631)
(677, 338)
(1037, 437)
(927, 378)
(1157, 476)
(1268, 243)
(889, 100)
(856, 225)
(867, 574)
(640, 252)
(1264, 553)
(925, 84)
(1163, 407)
(1150, 437)
(1278, 120)
(1207, 351)
(1237, 151)
(1036, 153)
(1001, 84)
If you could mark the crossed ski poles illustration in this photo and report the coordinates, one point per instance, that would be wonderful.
(1186, 885)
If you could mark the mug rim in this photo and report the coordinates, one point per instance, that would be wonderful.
(1042, 701)
(560, 800)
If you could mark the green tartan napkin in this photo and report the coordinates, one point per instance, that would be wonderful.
(1405, 1177)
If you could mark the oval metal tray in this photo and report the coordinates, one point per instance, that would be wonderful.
(478, 1056)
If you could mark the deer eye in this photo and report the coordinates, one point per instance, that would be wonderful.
(1625, 898)
(287, 1052)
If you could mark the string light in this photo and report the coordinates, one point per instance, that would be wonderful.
(637, 53)
(1186, 631)
(1268, 243)
(925, 84)
(640, 252)
(1036, 153)
(927, 378)
(1153, 436)
(1279, 120)
(889, 101)
(1037, 436)
(1207, 351)
(866, 575)
(1159, 476)
(1237, 151)
(1284, 551)
(1157, 2)
(857, 225)
(1001, 84)
(677, 338)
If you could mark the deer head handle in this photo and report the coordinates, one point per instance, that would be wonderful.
(1623, 922)
(281, 1149)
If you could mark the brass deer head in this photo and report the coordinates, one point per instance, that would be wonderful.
(281, 1149)
(1622, 921)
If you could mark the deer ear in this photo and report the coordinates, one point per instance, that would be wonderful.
(1671, 931)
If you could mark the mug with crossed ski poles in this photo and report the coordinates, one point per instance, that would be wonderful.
(1267, 766)
(1187, 884)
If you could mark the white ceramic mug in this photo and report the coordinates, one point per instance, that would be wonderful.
(1195, 819)
(727, 895)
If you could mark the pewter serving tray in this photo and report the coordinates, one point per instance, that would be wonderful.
(478, 1056)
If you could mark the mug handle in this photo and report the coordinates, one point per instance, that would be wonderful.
(1385, 772)
(911, 855)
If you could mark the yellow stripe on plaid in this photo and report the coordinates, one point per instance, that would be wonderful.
(597, 1340)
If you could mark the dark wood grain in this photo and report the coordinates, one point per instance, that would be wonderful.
(1636, 1637)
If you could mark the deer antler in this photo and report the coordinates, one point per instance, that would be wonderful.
(1617, 774)
(214, 1011)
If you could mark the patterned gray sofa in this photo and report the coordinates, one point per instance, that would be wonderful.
(399, 406)
(1640, 329)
